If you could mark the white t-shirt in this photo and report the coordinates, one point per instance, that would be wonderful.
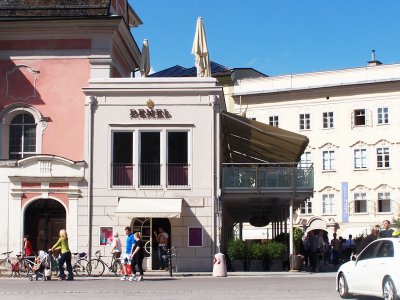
(116, 245)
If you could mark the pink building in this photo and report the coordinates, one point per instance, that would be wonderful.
(43, 161)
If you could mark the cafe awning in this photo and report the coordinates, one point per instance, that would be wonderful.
(248, 141)
(149, 207)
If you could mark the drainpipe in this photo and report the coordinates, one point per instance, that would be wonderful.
(92, 102)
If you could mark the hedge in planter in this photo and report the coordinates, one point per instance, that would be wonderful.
(238, 253)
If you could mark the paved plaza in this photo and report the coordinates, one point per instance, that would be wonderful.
(281, 285)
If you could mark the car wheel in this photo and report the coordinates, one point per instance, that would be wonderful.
(389, 290)
(342, 286)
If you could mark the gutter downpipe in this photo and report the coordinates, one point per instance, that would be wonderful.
(92, 102)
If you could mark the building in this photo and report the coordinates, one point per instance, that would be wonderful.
(351, 118)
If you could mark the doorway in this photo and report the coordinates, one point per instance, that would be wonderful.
(43, 220)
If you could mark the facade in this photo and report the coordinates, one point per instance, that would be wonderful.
(351, 118)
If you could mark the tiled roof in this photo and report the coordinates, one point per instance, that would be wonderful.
(179, 71)
(53, 8)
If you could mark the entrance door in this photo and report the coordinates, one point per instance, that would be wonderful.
(143, 225)
(156, 224)
(43, 220)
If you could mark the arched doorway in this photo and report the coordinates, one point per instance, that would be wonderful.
(43, 220)
(147, 226)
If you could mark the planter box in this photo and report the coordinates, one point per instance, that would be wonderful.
(239, 265)
(256, 265)
(276, 265)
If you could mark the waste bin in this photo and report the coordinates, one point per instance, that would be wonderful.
(219, 268)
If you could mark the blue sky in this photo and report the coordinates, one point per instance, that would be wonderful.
(273, 36)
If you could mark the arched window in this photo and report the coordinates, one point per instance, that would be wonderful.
(22, 138)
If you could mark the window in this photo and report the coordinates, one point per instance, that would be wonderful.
(328, 204)
(305, 121)
(360, 158)
(369, 251)
(382, 157)
(306, 207)
(385, 249)
(384, 202)
(177, 158)
(195, 236)
(22, 139)
(149, 164)
(305, 160)
(328, 158)
(359, 117)
(327, 120)
(274, 121)
(122, 157)
(360, 202)
(383, 115)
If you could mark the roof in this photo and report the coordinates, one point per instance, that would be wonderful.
(179, 71)
(250, 141)
(54, 8)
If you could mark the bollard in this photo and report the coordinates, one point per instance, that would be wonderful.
(219, 267)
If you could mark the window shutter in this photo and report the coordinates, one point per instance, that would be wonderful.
(352, 119)
(368, 117)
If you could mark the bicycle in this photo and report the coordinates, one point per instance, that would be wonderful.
(23, 264)
(6, 263)
(96, 266)
(168, 256)
(80, 264)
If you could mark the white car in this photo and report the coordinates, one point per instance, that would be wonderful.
(374, 272)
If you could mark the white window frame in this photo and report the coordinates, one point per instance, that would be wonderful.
(384, 196)
(305, 160)
(360, 197)
(383, 115)
(327, 120)
(360, 159)
(328, 160)
(328, 204)
(383, 157)
(273, 121)
(305, 121)
(306, 207)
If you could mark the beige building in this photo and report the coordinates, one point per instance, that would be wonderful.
(352, 120)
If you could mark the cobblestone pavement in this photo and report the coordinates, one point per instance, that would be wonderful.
(282, 285)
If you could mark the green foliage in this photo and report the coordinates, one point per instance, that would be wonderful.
(258, 251)
(237, 249)
(276, 250)
(396, 222)
(297, 239)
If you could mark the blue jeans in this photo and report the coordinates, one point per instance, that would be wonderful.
(65, 258)
(161, 252)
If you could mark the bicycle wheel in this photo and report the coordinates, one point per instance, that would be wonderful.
(95, 267)
(81, 267)
(117, 268)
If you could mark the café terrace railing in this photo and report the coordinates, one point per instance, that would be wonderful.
(282, 176)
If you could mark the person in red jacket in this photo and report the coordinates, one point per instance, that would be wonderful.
(28, 251)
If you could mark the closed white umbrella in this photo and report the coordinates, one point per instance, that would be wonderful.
(145, 59)
(200, 50)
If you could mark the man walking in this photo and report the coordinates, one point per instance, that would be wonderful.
(126, 259)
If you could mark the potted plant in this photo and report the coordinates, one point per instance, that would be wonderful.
(258, 255)
(238, 252)
(276, 253)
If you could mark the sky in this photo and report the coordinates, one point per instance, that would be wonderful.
(275, 37)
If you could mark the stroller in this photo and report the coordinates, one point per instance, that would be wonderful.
(42, 266)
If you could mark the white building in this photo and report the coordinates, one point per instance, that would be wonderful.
(352, 119)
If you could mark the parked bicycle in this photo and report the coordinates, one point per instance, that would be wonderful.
(168, 256)
(80, 264)
(97, 266)
(5, 263)
(23, 266)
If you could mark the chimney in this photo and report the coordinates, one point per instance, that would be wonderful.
(374, 62)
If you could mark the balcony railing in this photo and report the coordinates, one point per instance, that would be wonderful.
(177, 175)
(267, 176)
(149, 175)
(122, 174)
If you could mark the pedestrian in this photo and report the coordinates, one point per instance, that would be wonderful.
(335, 244)
(116, 246)
(387, 231)
(137, 257)
(62, 244)
(320, 249)
(349, 248)
(126, 259)
(28, 251)
(367, 240)
(162, 239)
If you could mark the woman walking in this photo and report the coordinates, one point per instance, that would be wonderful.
(137, 256)
(62, 244)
